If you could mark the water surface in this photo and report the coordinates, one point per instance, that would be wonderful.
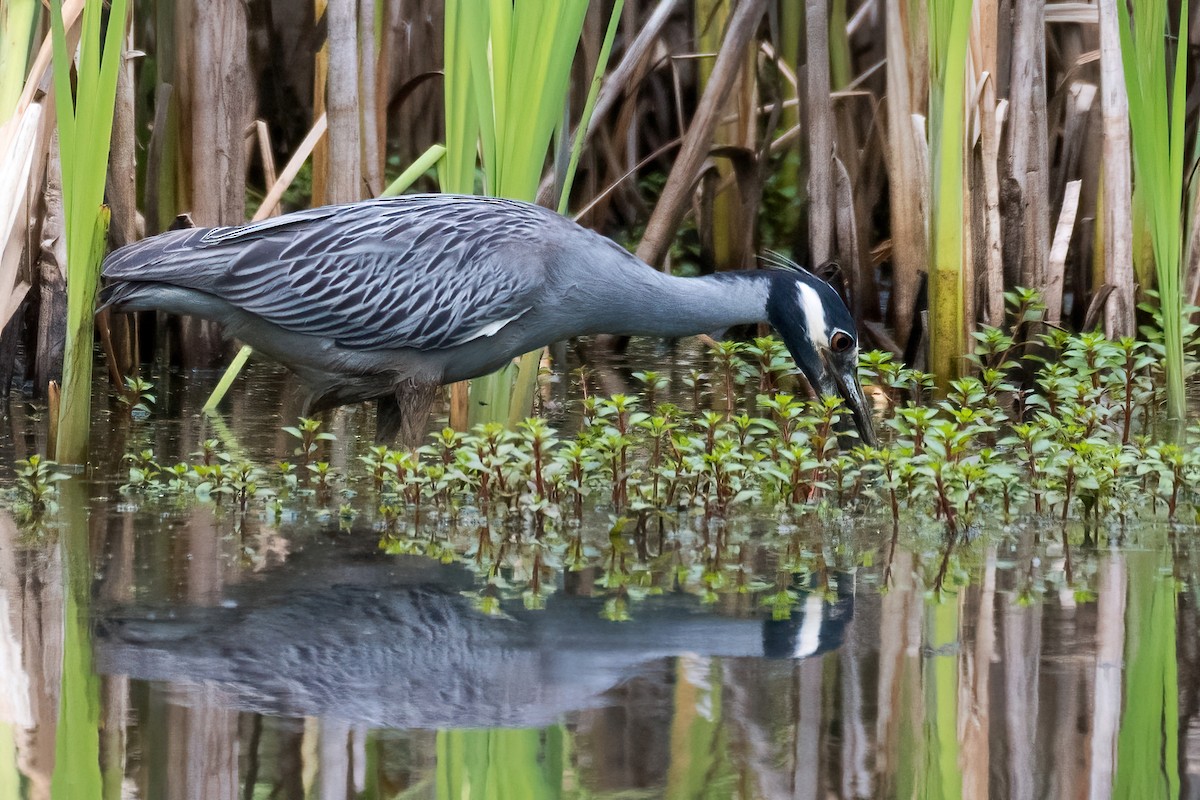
(185, 650)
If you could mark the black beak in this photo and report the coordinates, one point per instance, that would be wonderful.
(828, 380)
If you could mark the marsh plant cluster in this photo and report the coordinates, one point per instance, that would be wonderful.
(660, 495)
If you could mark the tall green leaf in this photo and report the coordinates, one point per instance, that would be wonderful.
(84, 129)
(17, 31)
(1157, 123)
(508, 68)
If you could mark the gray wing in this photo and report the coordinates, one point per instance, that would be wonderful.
(422, 271)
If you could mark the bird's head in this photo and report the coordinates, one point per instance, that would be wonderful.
(821, 335)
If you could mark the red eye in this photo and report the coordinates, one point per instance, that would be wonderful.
(840, 342)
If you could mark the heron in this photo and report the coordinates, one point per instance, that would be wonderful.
(390, 299)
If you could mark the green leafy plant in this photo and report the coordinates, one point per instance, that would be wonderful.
(37, 482)
(138, 396)
(310, 435)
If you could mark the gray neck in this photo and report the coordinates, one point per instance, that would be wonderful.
(650, 303)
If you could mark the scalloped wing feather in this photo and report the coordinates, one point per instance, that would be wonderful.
(426, 272)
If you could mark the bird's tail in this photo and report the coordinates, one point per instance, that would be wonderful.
(123, 296)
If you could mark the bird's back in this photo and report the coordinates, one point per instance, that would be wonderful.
(419, 271)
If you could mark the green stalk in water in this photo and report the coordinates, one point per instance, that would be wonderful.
(84, 129)
(1148, 741)
(498, 762)
(949, 32)
(77, 739)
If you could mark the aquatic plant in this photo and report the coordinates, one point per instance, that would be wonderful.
(138, 396)
(309, 432)
(37, 484)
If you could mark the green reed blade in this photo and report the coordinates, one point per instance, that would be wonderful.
(1157, 124)
(85, 118)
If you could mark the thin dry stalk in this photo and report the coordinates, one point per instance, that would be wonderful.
(306, 148)
(847, 237)
(621, 83)
(621, 79)
(1057, 261)
(52, 280)
(266, 155)
(677, 193)
(858, 148)
(1116, 220)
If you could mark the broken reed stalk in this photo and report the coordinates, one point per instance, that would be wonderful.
(1056, 263)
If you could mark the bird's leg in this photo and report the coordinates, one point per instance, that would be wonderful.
(406, 412)
(387, 419)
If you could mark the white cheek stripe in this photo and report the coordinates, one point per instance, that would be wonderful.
(808, 640)
(814, 314)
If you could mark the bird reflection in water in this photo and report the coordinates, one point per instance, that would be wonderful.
(399, 645)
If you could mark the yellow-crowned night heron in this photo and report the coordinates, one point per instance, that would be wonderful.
(389, 299)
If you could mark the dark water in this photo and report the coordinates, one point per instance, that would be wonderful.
(159, 650)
